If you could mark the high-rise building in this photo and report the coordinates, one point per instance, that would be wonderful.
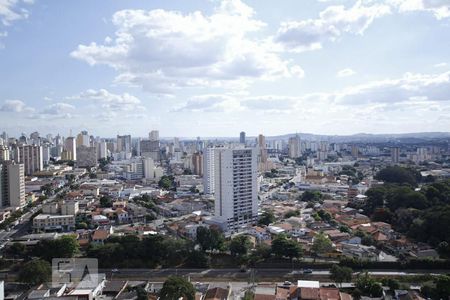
(395, 155)
(150, 148)
(355, 151)
(4, 153)
(86, 157)
(235, 186)
(153, 135)
(197, 162)
(149, 168)
(262, 155)
(70, 149)
(124, 143)
(242, 137)
(12, 185)
(208, 171)
(102, 150)
(31, 157)
(294, 147)
(83, 139)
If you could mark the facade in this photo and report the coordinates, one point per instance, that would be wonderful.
(150, 148)
(294, 147)
(32, 158)
(12, 185)
(4, 153)
(149, 168)
(153, 135)
(235, 187)
(124, 143)
(208, 171)
(197, 163)
(102, 150)
(395, 155)
(45, 222)
(86, 157)
(70, 149)
(242, 137)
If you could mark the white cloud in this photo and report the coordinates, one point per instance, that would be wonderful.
(441, 65)
(431, 87)
(164, 50)
(110, 101)
(332, 23)
(439, 8)
(15, 106)
(10, 12)
(59, 110)
(345, 72)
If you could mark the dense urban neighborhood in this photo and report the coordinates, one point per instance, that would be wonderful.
(247, 218)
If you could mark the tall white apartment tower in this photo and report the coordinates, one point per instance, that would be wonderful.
(235, 187)
(208, 171)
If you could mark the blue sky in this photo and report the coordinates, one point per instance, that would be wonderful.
(215, 68)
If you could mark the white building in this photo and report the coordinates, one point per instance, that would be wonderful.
(294, 147)
(235, 186)
(32, 158)
(208, 171)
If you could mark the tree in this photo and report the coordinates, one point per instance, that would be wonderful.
(105, 201)
(292, 213)
(17, 250)
(368, 286)
(341, 274)
(197, 259)
(65, 247)
(396, 174)
(176, 287)
(321, 244)
(391, 283)
(266, 218)
(311, 196)
(35, 272)
(166, 182)
(284, 247)
(240, 245)
(248, 295)
(209, 239)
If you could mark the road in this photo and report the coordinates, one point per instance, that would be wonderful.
(238, 275)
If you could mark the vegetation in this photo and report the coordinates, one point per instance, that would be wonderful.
(418, 214)
(167, 182)
(210, 239)
(63, 247)
(321, 245)
(240, 245)
(176, 287)
(341, 274)
(368, 286)
(266, 218)
(35, 272)
(311, 196)
(399, 175)
(106, 201)
(292, 213)
(284, 247)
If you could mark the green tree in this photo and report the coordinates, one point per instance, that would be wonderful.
(176, 287)
(240, 245)
(166, 182)
(292, 213)
(391, 283)
(266, 218)
(341, 274)
(35, 272)
(64, 247)
(209, 239)
(105, 201)
(396, 174)
(248, 295)
(284, 247)
(368, 286)
(321, 244)
(197, 259)
(311, 196)
(17, 250)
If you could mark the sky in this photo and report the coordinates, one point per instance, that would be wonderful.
(215, 68)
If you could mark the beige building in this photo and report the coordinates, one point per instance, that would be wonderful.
(12, 185)
(45, 222)
(32, 158)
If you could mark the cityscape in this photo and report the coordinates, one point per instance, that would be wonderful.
(225, 150)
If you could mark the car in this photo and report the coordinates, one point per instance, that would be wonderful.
(307, 271)
(115, 270)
